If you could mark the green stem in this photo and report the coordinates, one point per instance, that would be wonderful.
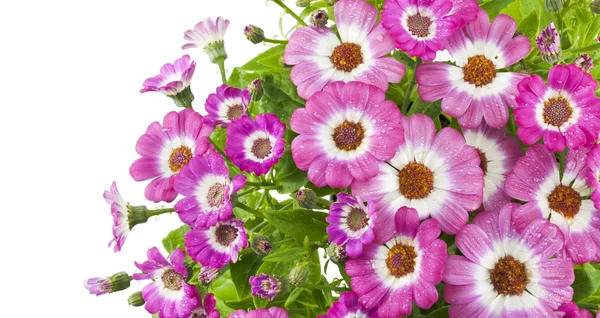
(585, 49)
(221, 151)
(287, 206)
(588, 306)
(323, 287)
(249, 209)
(275, 41)
(151, 213)
(290, 12)
(283, 241)
(243, 193)
(222, 70)
(261, 199)
(263, 223)
(411, 86)
(562, 161)
(259, 184)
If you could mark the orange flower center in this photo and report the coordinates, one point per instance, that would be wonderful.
(557, 111)
(565, 200)
(179, 158)
(483, 162)
(509, 277)
(401, 260)
(479, 71)
(416, 181)
(348, 136)
(346, 57)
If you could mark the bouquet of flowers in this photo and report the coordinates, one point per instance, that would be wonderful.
(442, 154)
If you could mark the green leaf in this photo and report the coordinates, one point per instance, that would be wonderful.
(404, 59)
(285, 255)
(267, 61)
(260, 302)
(289, 177)
(438, 313)
(319, 299)
(280, 96)
(433, 110)
(240, 304)
(530, 26)
(241, 272)
(494, 7)
(224, 289)
(587, 280)
(299, 223)
(293, 296)
(175, 239)
(395, 93)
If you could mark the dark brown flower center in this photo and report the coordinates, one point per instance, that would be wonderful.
(346, 57)
(172, 279)
(416, 181)
(235, 112)
(565, 200)
(509, 277)
(261, 148)
(216, 195)
(357, 219)
(179, 158)
(348, 136)
(557, 111)
(226, 234)
(479, 71)
(199, 313)
(419, 25)
(401, 260)
(483, 162)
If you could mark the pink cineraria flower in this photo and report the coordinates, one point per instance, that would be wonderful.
(217, 245)
(166, 149)
(346, 130)
(504, 273)
(571, 310)
(351, 223)
(273, 312)
(438, 175)
(593, 174)
(566, 113)
(498, 154)
(403, 267)
(209, 36)
(536, 179)
(320, 57)
(255, 145)
(226, 105)
(174, 81)
(265, 286)
(349, 306)
(205, 183)
(120, 213)
(168, 294)
(100, 286)
(474, 90)
(206, 308)
(420, 28)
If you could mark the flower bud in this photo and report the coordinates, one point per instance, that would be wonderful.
(319, 18)
(261, 245)
(208, 274)
(100, 286)
(585, 62)
(303, 3)
(336, 253)
(299, 274)
(548, 42)
(256, 89)
(136, 299)
(595, 6)
(306, 198)
(254, 34)
(554, 5)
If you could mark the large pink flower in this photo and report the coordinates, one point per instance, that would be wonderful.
(166, 149)
(345, 132)
(474, 89)
(421, 27)
(320, 57)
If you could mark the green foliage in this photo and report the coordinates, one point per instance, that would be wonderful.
(587, 281)
(281, 255)
(494, 7)
(175, 239)
(299, 223)
(433, 110)
(241, 271)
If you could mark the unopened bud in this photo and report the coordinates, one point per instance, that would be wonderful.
(585, 62)
(319, 18)
(554, 5)
(336, 253)
(261, 245)
(595, 6)
(306, 198)
(299, 274)
(136, 299)
(303, 3)
(100, 286)
(254, 34)
(256, 89)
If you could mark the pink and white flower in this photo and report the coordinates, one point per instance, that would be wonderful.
(566, 113)
(536, 179)
(205, 183)
(348, 306)
(351, 223)
(217, 245)
(403, 267)
(498, 154)
(173, 78)
(321, 58)
(168, 294)
(209, 36)
(346, 130)
(438, 175)
(593, 174)
(421, 27)
(273, 312)
(474, 90)
(226, 105)
(166, 149)
(120, 213)
(206, 308)
(504, 273)
(255, 145)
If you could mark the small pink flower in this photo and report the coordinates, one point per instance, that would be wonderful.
(173, 78)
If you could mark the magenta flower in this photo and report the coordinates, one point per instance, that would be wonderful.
(321, 58)
(498, 154)
(420, 28)
(173, 78)
(255, 145)
(346, 130)
(166, 149)
(536, 180)
(217, 245)
(548, 42)
(206, 308)
(506, 274)
(205, 183)
(585, 62)
(593, 174)
(566, 113)
(265, 286)
(571, 310)
(474, 90)
(226, 105)
(438, 175)
(168, 294)
(209, 36)
(403, 267)
(120, 213)
(351, 223)
(348, 306)
(207, 274)
(273, 312)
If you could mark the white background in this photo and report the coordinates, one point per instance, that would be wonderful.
(71, 112)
